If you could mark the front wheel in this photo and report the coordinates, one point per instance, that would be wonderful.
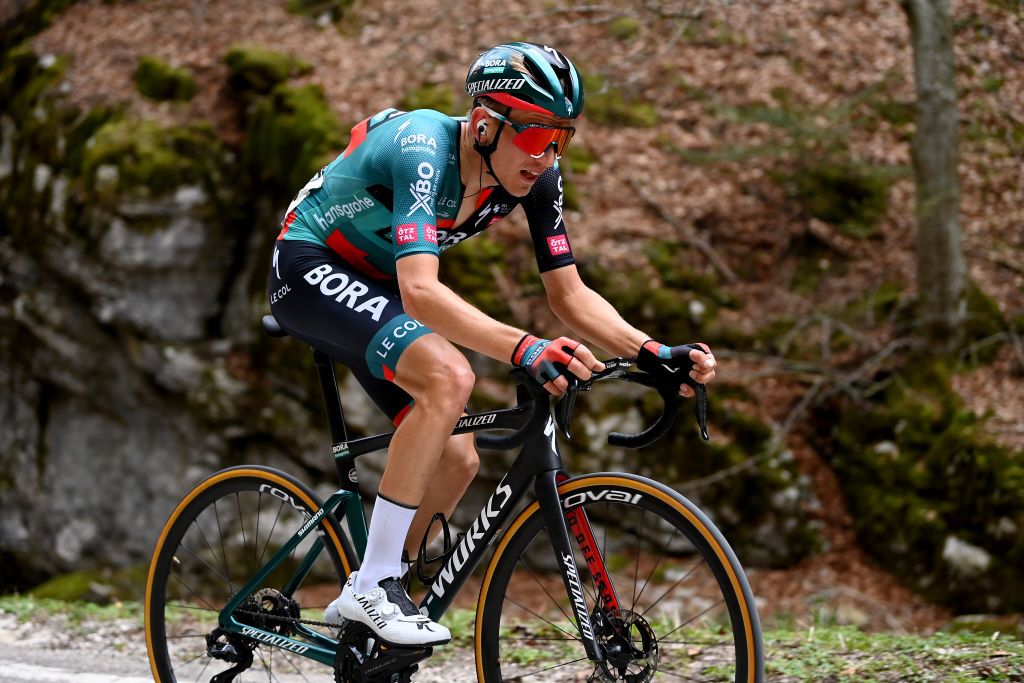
(225, 530)
(674, 602)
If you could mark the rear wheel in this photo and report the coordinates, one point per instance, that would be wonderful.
(225, 529)
(685, 610)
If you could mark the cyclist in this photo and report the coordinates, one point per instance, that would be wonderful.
(355, 273)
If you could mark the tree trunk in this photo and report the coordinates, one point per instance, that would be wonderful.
(941, 272)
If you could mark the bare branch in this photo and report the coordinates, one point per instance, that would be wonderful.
(685, 233)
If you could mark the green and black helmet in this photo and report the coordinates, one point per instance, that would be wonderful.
(528, 76)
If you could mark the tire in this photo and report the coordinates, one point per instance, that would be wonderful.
(667, 563)
(212, 544)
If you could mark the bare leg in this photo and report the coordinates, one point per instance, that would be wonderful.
(459, 464)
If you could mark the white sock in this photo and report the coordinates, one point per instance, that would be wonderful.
(389, 525)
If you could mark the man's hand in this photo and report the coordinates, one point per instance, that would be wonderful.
(704, 363)
(538, 357)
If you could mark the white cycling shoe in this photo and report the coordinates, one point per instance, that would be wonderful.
(389, 613)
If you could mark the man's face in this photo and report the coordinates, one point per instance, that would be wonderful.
(516, 170)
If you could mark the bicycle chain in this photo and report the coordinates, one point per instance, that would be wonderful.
(290, 620)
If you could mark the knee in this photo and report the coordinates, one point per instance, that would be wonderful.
(449, 384)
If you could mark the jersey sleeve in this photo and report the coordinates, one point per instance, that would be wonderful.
(417, 159)
(543, 207)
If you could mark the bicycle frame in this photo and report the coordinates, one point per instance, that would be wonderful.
(539, 464)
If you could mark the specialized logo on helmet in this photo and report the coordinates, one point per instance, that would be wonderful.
(555, 56)
(495, 84)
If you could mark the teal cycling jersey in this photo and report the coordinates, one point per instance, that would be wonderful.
(396, 191)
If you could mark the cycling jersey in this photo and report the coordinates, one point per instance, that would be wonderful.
(396, 191)
(393, 192)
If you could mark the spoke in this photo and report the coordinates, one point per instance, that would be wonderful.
(195, 607)
(534, 673)
(636, 569)
(664, 551)
(707, 643)
(223, 551)
(527, 609)
(694, 618)
(530, 569)
(297, 669)
(212, 608)
(213, 552)
(672, 587)
(270, 537)
(256, 538)
(208, 565)
(203, 670)
(187, 635)
(555, 640)
(241, 521)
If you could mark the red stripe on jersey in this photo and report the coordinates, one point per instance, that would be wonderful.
(401, 413)
(288, 220)
(482, 197)
(358, 136)
(389, 375)
(354, 255)
(446, 223)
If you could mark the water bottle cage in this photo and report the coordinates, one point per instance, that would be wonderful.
(449, 547)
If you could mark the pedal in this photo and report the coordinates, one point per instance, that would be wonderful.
(363, 658)
(392, 665)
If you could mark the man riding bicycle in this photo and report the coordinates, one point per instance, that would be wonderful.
(355, 274)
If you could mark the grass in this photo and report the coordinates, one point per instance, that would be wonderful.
(28, 608)
(847, 654)
(820, 653)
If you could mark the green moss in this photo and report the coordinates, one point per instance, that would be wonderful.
(151, 157)
(438, 97)
(253, 69)
(624, 28)
(570, 195)
(291, 134)
(160, 81)
(578, 159)
(98, 585)
(317, 8)
(609, 106)
(984, 324)
(918, 470)
(846, 194)
(29, 19)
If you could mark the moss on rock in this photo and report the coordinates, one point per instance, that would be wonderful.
(851, 196)
(158, 80)
(291, 134)
(932, 497)
(153, 158)
(253, 69)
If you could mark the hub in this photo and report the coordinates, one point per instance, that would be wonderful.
(630, 646)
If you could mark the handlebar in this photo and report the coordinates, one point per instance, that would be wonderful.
(654, 373)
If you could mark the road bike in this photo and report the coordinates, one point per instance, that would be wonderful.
(599, 577)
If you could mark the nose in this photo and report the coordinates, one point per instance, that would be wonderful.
(549, 157)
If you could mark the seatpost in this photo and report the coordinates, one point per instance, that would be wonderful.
(336, 420)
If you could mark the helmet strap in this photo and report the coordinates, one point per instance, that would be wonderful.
(485, 151)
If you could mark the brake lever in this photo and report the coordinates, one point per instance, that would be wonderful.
(613, 368)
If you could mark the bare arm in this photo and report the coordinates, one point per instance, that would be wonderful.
(589, 314)
(433, 303)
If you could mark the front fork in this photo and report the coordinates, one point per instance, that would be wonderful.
(559, 526)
